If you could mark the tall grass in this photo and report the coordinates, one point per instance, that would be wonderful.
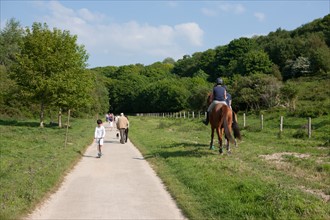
(243, 185)
(33, 161)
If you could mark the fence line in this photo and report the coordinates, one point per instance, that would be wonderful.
(192, 115)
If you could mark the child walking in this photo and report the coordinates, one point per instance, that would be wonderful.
(99, 136)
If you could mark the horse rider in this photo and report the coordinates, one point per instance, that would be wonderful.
(219, 97)
(228, 100)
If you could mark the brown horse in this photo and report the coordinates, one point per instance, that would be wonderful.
(222, 120)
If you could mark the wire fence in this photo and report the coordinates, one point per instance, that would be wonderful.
(243, 120)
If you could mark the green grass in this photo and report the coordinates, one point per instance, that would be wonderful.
(33, 161)
(242, 185)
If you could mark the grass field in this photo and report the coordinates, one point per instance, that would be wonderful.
(269, 176)
(33, 161)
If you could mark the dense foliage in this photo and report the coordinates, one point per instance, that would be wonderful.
(285, 69)
(262, 72)
(46, 68)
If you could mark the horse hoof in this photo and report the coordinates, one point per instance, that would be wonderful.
(220, 151)
(212, 147)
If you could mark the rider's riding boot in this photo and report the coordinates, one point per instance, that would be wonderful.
(206, 121)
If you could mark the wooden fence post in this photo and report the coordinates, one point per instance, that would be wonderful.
(262, 121)
(309, 127)
(281, 124)
(244, 120)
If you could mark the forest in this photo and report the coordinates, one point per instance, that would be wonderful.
(44, 72)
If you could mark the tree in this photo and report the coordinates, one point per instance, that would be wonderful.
(255, 61)
(51, 68)
(289, 93)
(255, 92)
(169, 60)
(10, 38)
(297, 68)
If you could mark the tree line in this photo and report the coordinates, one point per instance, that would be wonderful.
(285, 69)
(45, 71)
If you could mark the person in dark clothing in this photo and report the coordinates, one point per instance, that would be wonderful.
(219, 97)
(228, 100)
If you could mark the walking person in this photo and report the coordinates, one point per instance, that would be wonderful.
(111, 121)
(99, 136)
(122, 124)
(126, 130)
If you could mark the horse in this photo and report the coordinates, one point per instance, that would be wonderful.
(235, 128)
(223, 120)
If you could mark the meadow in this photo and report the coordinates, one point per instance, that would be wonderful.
(270, 175)
(34, 160)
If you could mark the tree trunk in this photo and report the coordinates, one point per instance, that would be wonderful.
(60, 118)
(42, 108)
(67, 129)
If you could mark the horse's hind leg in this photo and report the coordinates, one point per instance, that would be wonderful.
(228, 146)
(211, 142)
(220, 141)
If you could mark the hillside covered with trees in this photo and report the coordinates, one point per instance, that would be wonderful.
(45, 70)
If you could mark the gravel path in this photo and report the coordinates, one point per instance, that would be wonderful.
(119, 185)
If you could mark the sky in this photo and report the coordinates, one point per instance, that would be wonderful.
(117, 33)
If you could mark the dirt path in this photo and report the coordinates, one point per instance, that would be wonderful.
(119, 185)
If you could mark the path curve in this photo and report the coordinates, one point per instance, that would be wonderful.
(119, 185)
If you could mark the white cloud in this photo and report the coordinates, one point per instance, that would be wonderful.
(209, 12)
(172, 4)
(235, 8)
(89, 16)
(223, 7)
(190, 31)
(128, 39)
(260, 16)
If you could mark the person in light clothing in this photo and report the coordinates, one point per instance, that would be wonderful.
(122, 124)
(99, 136)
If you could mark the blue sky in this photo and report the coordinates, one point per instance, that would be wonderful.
(129, 32)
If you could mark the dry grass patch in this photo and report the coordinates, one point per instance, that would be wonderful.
(279, 156)
(280, 162)
(318, 193)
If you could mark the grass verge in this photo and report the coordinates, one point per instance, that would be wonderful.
(33, 161)
(266, 177)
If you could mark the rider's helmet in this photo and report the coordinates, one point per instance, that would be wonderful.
(219, 81)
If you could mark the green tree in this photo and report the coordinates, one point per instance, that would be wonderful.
(255, 61)
(10, 39)
(166, 95)
(100, 95)
(51, 68)
(258, 91)
(289, 95)
(297, 68)
(169, 60)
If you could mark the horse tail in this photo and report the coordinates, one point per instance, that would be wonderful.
(237, 133)
(225, 111)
